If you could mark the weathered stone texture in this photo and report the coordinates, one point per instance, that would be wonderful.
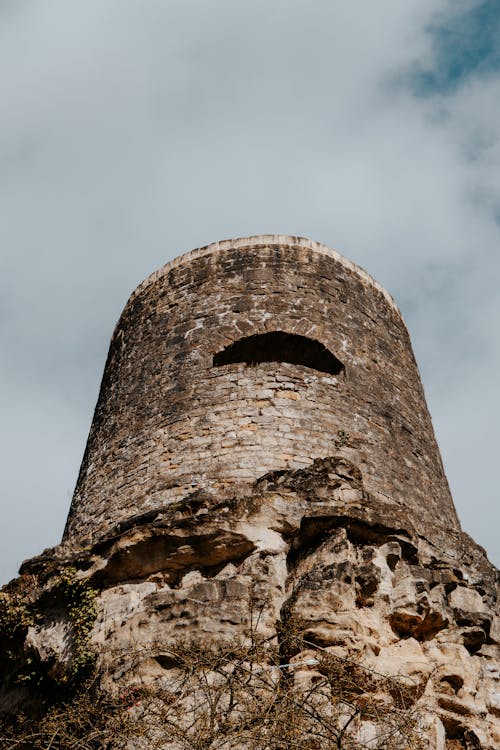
(168, 422)
(308, 549)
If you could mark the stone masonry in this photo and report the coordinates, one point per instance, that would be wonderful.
(168, 422)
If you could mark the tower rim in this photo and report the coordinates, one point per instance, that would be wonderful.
(264, 240)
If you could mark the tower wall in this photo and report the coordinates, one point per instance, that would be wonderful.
(168, 422)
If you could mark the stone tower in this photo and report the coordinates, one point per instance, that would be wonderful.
(251, 356)
(262, 550)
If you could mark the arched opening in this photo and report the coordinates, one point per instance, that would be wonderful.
(278, 346)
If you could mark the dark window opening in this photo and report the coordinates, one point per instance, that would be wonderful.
(278, 346)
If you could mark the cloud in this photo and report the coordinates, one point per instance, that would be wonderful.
(134, 131)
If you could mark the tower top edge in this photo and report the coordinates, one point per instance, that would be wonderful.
(247, 243)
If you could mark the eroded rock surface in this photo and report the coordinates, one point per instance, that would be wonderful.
(312, 566)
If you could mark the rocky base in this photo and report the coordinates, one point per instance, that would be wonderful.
(306, 606)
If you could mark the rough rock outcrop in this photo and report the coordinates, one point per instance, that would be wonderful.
(313, 571)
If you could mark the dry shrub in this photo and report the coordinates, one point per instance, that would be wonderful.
(231, 696)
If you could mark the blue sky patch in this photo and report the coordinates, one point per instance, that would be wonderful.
(466, 44)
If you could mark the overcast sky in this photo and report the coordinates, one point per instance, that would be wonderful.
(134, 130)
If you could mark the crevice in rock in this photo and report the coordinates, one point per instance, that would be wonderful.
(315, 530)
(174, 555)
(329, 471)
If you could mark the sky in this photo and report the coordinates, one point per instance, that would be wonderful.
(134, 130)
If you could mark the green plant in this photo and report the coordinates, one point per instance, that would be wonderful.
(79, 599)
(342, 438)
(20, 609)
(16, 614)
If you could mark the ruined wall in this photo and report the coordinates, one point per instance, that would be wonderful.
(169, 423)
